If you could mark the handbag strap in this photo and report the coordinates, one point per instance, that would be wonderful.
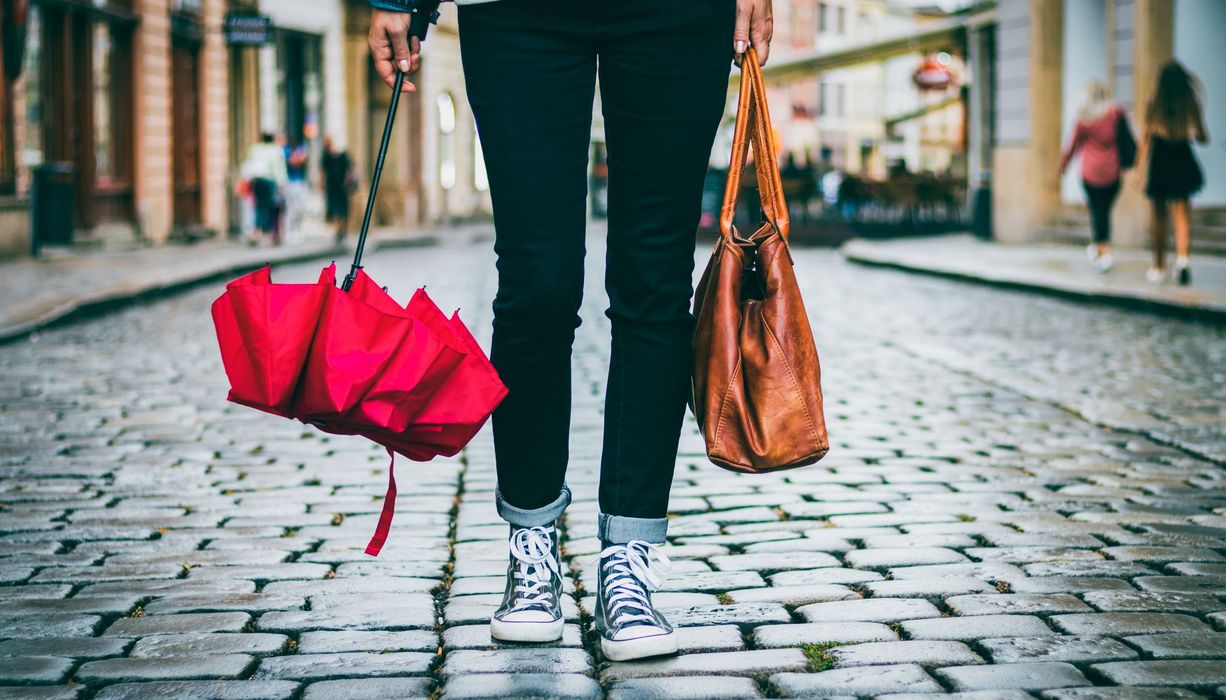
(753, 124)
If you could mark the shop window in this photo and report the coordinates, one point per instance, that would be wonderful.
(10, 104)
(446, 141)
(32, 148)
(104, 124)
(79, 105)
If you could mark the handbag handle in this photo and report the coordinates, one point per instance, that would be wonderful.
(752, 113)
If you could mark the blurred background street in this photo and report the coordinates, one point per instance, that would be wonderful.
(1026, 492)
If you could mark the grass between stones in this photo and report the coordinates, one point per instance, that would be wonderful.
(819, 656)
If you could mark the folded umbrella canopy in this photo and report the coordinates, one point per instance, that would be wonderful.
(352, 361)
(265, 332)
(427, 361)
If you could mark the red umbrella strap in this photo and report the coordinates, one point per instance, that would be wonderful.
(389, 509)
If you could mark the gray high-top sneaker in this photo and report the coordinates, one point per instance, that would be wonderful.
(531, 609)
(630, 627)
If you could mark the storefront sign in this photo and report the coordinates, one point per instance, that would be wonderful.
(246, 29)
(935, 72)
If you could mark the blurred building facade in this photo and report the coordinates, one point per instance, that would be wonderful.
(866, 116)
(1021, 68)
(125, 121)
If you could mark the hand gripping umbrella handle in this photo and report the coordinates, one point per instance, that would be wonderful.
(374, 181)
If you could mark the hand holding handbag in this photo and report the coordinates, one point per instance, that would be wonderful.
(757, 382)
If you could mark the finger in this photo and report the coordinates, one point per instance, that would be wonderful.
(400, 49)
(386, 71)
(760, 34)
(381, 53)
(740, 34)
(414, 54)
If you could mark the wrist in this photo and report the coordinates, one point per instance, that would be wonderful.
(392, 5)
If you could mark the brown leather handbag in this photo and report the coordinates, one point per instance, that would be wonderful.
(757, 384)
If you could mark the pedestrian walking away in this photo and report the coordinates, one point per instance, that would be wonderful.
(264, 168)
(1101, 137)
(1173, 118)
(339, 184)
(531, 70)
(297, 190)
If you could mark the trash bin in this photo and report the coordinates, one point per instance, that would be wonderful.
(53, 198)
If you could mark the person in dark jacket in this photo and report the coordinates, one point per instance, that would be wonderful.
(336, 167)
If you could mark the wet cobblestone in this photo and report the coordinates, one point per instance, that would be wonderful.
(1024, 497)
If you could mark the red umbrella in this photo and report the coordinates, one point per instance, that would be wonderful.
(265, 331)
(352, 361)
(427, 362)
(352, 346)
(456, 412)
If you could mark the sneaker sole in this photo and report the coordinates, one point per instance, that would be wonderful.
(526, 631)
(641, 648)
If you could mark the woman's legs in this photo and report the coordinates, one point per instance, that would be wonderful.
(1181, 216)
(663, 79)
(1181, 219)
(1157, 233)
(530, 77)
(1100, 201)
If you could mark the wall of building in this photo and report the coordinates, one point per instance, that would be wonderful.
(14, 227)
(320, 17)
(1200, 27)
(1011, 162)
(411, 192)
(1121, 16)
(153, 130)
(214, 121)
(1084, 60)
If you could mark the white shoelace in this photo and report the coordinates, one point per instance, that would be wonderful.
(630, 568)
(532, 547)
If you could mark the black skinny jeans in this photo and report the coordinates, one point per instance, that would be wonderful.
(1100, 200)
(531, 70)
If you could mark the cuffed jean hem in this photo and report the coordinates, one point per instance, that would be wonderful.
(620, 529)
(534, 517)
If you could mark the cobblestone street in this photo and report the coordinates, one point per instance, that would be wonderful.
(1025, 496)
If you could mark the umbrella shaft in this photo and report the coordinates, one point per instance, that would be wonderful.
(374, 181)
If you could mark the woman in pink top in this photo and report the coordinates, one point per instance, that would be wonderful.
(1096, 137)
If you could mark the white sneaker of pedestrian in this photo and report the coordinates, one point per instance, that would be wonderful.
(1092, 253)
(1156, 275)
(1181, 272)
(1104, 263)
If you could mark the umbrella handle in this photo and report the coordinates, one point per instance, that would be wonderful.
(374, 181)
